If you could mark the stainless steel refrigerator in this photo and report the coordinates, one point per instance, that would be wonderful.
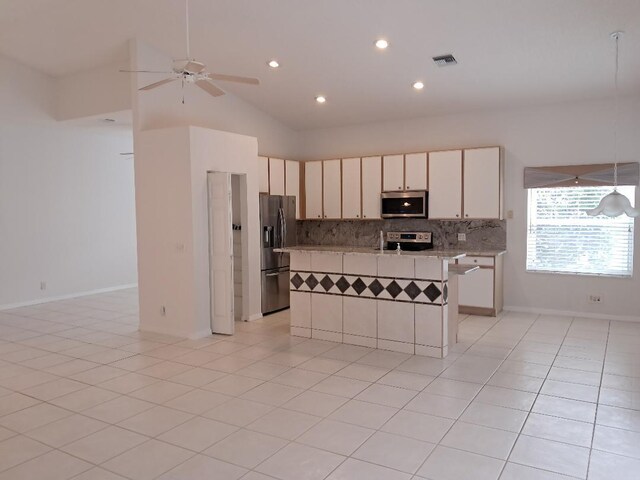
(278, 229)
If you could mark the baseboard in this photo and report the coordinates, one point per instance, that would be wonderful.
(255, 316)
(567, 313)
(29, 303)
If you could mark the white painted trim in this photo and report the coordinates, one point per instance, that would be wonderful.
(567, 313)
(29, 303)
(254, 317)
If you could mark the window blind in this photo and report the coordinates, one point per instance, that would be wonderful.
(562, 238)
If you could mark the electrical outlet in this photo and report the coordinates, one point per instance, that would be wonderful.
(43, 285)
(594, 298)
(462, 237)
(163, 310)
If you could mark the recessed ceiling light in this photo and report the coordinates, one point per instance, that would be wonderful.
(382, 43)
(418, 85)
(321, 99)
(273, 63)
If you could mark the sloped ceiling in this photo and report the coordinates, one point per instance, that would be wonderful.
(510, 52)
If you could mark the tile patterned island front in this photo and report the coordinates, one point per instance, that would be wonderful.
(371, 298)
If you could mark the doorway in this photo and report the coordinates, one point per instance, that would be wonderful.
(227, 249)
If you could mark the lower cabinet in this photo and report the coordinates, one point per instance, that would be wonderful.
(326, 317)
(480, 292)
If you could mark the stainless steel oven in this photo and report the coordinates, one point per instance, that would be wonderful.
(404, 204)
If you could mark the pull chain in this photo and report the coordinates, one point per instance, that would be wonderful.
(616, 35)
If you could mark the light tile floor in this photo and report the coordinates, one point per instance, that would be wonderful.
(84, 395)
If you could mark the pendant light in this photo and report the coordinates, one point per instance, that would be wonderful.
(615, 204)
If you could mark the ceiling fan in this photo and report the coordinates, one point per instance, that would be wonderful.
(190, 71)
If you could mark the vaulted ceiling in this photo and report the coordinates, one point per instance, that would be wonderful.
(510, 52)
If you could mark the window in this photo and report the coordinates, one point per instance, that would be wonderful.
(562, 238)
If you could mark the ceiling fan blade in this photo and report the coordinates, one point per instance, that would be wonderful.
(143, 71)
(193, 67)
(234, 78)
(210, 88)
(157, 84)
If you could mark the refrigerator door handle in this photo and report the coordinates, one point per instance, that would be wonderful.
(272, 274)
(281, 226)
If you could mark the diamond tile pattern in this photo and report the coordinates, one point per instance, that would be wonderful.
(327, 283)
(376, 287)
(432, 292)
(296, 281)
(392, 289)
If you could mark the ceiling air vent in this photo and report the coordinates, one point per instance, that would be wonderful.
(444, 60)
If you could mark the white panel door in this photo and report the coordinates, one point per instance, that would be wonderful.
(276, 176)
(371, 186)
(221, 252)
(351, 201)
(415, 171)
(393, 172)
(475, 289)
(313, 189)
(292, 182)
(332, 190)
(482, 183)
(445, 184)
(263, 174)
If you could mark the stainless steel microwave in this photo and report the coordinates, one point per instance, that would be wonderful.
(404, 204)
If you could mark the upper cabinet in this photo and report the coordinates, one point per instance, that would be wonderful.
(445, 184)
(371, 186)
(351, 188)
(276, 176)
(462, 184)
(332, 189)
(415, 171)
(393, 172)
(482, 184)
(292, 182)
(263, 174)
(313, 189)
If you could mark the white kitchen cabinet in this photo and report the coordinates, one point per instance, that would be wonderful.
(393, 173)
(371, 186)
(292, 182)
(351, 199)
(276, 176)
(313, 189)
(445, 184)
(482, 183)
(481, 292)
(263, 174)
(332, 195)
(415, 171)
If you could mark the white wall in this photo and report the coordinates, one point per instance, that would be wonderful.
(547, 135)
(173, 233)
(93, 92)
(66, 196)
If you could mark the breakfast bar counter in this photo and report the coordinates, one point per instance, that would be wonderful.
(379, 299)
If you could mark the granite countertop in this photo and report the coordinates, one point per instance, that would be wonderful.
(448, 254)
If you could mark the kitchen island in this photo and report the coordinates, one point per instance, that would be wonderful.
(379, 299)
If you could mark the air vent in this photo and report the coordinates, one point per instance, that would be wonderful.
(444, 60)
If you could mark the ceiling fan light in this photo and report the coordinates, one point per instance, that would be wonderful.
(381, 44)
(273, 63)
(321, 99)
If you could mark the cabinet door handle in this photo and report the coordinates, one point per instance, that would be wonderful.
(399, 188)
(457, 215)
(466, 214)
(318, 216)
(364, 216)
(357, 215)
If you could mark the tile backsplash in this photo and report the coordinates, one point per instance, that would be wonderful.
(481, 234)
